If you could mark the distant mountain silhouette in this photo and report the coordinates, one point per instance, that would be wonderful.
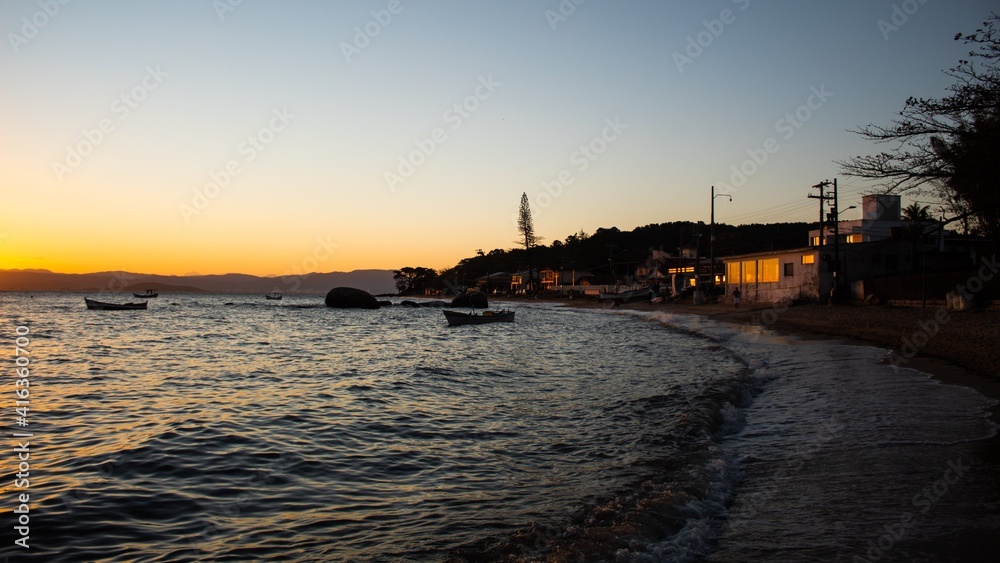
(372, 281)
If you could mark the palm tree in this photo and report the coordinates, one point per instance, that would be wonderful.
(917, 215)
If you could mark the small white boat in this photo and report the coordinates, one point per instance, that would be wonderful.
(274, 295)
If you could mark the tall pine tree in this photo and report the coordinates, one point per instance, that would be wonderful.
(526, 227)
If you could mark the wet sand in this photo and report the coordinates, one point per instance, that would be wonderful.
(958, 348)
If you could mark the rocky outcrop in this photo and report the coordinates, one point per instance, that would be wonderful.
(350, 298)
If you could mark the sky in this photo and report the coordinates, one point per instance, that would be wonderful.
(273, 138)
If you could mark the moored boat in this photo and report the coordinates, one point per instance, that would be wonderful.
(626, 296)
(105, 306)
(148, 294)
(274, 295)
(458, 318)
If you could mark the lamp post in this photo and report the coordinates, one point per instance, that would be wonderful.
(711, 240)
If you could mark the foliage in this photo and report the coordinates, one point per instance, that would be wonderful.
(948, 147)
(413, 280)
(525, 225)
(609, 248)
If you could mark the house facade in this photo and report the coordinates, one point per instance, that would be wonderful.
(786, 275)
(808, 274)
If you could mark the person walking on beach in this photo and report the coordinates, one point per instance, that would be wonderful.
(736, 297)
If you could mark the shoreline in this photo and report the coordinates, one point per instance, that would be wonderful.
(959, 352)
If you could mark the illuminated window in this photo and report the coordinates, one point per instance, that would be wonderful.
(768, 270)
(815, 241)
(808, 258)
(749, 271)
(733, 272)
(855, 238)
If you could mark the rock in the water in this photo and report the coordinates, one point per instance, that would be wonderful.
(409, 303)
(350, 298)
(474, 299)
(385, 303)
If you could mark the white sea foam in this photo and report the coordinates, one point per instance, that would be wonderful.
(836, 449)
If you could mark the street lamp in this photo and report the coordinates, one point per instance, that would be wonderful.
(711, 241)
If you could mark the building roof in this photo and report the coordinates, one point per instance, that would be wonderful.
(801, 250)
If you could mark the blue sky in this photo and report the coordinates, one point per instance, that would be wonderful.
(404, 132)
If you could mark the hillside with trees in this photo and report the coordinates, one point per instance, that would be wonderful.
(611, 250)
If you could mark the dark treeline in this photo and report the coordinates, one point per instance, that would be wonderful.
(610, 250)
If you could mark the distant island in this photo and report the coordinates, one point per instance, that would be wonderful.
(373, 281)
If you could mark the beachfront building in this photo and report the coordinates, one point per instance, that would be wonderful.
(496, 283)
(881, 219)
(780, 276)
(807, 274)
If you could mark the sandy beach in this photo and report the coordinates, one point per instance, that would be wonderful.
(956, 348)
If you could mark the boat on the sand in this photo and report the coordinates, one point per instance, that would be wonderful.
(626, 296)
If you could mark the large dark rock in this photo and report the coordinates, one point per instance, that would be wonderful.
(350, 298)
(475, 299)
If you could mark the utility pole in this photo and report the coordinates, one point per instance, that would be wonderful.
(711, 237)
(611, 264)
(698, 297)
(822, 198)
(837, 282)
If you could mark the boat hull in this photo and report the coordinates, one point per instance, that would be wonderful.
(456, 318)
(105, 306)
(626, 296)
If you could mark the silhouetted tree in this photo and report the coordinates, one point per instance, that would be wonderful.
(948, 146)
(413, 280)
(525, 225)
(917, 217)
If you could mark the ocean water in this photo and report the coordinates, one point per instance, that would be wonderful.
(230, 428)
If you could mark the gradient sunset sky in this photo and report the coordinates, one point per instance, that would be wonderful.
(266, 137)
